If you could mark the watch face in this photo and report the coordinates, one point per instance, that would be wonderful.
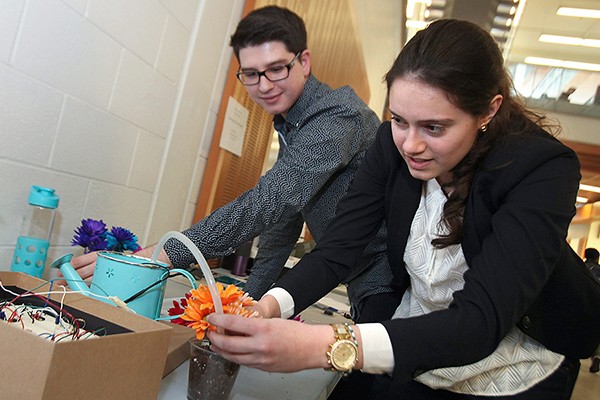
(343, 355)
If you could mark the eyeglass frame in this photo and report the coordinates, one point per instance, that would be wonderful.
(262, 73)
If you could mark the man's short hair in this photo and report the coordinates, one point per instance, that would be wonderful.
(591, 254)
(268, 24)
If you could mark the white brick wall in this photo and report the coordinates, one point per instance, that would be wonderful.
(113, 104)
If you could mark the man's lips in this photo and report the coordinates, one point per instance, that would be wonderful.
(270, 99)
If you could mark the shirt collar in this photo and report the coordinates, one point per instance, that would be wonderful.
(298, 109)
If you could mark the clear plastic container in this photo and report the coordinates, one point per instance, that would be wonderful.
(32, 245)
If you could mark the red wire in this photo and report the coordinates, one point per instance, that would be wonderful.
(52, 305)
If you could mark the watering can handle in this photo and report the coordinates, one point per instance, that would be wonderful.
(188, 275)
(193, 282)
(208, 276)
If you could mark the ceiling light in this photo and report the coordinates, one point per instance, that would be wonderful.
(581, 199)
(434, 13)
(578, 12)
(573, 41)
(411, 23)
(499, 34)
(589, 188)
(551, 62)
(506, 9)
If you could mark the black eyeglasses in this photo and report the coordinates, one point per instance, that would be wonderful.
(273, 74)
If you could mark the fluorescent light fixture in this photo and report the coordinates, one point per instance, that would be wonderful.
(589, 188)
(551, 62)
(412, 23)
(573, 41)
(578, 12)
(411, 4)
(581, 200)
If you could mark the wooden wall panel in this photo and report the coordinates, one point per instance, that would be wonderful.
(243, 172)
(336, 60)
(333, 40)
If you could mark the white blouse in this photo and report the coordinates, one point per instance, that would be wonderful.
(517, 364)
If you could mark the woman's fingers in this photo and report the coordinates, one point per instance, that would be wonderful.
(270, 344)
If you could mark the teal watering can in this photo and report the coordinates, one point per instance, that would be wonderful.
(120, 278)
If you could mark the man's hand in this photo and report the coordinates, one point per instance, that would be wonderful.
(86, 263)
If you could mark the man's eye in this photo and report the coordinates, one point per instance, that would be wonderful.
(249, 74)
(276, 69)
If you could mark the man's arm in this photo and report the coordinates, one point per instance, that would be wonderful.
(275, 247)
(306, 165)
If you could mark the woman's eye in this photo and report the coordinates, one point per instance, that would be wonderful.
(435, 128)
(398, 121)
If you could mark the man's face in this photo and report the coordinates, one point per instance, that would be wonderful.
(275, 97)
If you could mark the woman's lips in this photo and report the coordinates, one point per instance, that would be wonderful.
(417, 163)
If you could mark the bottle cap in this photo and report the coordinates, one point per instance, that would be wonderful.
(43, 197)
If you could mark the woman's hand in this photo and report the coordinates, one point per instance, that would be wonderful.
(267, 307)
(273, 345)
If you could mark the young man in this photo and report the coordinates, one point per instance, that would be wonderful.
(323, 135)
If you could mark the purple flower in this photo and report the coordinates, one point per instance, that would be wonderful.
(121, 239)
(90, 235)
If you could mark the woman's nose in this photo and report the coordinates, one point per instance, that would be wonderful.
(413, 143)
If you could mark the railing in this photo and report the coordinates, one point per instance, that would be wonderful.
(558, 89)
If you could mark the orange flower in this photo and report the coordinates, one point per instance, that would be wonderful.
(200, 304)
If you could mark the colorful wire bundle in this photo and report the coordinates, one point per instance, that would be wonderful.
(49, 321)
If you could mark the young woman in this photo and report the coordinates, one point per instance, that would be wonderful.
(477, 197)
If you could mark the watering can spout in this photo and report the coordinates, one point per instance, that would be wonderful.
(71, 276)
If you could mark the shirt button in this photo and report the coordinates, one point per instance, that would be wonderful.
(526, 322)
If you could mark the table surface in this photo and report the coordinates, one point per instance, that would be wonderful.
(255, 384)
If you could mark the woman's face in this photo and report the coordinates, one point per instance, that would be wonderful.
(431, 134)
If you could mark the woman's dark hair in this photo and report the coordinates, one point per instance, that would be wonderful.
(465, 62)
(268, 24)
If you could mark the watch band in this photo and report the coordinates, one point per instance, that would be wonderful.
(343, 353)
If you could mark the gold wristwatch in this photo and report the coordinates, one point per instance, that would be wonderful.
(343, 353)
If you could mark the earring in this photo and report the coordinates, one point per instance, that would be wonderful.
(483, 128)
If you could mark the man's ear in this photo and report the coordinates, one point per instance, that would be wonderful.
(304, 59)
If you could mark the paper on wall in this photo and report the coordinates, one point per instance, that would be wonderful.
(234, 127)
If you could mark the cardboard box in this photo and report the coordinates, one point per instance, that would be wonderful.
(127, 363)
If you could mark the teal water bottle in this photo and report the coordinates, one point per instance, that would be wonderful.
(33, 243)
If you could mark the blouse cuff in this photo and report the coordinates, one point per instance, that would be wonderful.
(378, 354)
(285, 300)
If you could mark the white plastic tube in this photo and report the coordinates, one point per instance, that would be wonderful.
(208, 276)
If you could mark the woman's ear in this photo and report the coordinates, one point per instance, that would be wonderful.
(495, 104)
